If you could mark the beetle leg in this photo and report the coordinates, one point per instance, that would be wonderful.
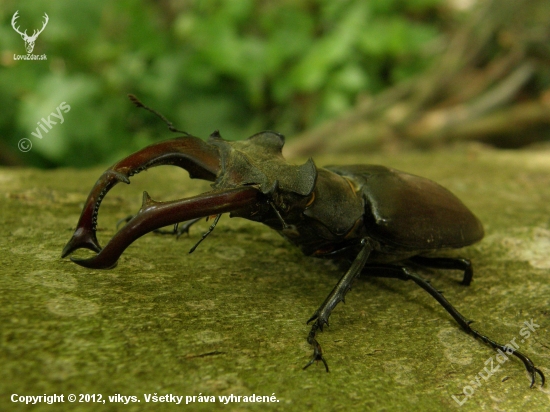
(181, 227)
(337, 295)
(447, 263)
(154, 215)
(404, 273)
(317, 351)
(205, 234)
(199, 158)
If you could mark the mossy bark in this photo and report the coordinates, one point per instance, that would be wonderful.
(230, 318)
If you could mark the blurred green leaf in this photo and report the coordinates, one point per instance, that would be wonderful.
(236, 66)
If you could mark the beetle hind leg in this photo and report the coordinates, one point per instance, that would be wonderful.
(447, 263)
(404, 273)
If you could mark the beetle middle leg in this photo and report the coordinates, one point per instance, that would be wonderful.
(447, 263)
(404, 273)
(337, 295)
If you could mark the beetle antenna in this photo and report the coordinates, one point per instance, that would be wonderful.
(210, 229)
(171, 127)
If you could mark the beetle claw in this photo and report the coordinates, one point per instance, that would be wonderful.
(316, 358)
(534, 376)
(317, 351)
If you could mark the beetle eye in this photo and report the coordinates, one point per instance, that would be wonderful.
(310, 200)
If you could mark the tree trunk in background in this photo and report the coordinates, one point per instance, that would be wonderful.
(490, 85)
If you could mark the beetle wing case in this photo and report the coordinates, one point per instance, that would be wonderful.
(411, 212)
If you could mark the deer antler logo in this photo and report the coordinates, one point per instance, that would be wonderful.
(29, 40)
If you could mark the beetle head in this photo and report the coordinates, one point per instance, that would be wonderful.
(259, 161)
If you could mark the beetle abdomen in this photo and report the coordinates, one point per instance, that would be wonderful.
(409, 212)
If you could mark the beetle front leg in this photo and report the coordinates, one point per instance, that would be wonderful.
(337, 295)
(317, 351)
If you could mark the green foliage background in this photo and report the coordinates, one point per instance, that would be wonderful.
(237, 66)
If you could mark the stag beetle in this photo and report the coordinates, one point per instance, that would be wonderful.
(379, 219)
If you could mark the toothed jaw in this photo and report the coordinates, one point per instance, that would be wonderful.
(154, 215)
(190, 153)
(84, 237)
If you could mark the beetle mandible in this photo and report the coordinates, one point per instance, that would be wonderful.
(377, 218)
